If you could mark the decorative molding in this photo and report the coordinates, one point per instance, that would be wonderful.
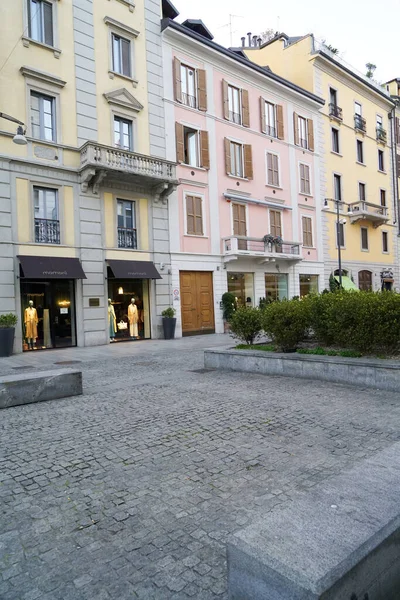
(124, 99)
(42, 76)
(97, 180)
(129, 3)
(121, 27)
(193, 183)
(85, 177)
(27, 41)
(112, 74)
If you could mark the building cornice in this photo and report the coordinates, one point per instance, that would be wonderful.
(42, 76)
(121, 26)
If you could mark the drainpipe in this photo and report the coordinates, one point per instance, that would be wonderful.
(392, 120)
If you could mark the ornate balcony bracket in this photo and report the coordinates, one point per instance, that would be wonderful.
(86, 176)
(163, 191)
(97, 179)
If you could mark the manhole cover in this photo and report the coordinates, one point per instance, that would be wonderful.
(201, 371)
(68, 362)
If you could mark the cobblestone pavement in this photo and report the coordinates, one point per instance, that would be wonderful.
(130, 491)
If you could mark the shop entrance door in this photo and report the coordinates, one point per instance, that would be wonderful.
(197, 302)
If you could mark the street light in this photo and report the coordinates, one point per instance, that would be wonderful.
(338, 223)
(19, 138)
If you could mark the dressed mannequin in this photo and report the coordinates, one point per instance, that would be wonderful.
(112, 321)
(133, 318)
(31, 320)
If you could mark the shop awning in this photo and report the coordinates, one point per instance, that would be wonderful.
(347, 283)
(51, 267)
(133, 269)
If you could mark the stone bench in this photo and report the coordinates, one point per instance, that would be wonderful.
(39, 386)
(340, 541)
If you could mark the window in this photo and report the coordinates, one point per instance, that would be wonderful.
(241, 285)
(361, 192)
(360, 151)
(359, 122)
(337, 187)
(303, 132)
(270, 119)
(126, 222)
(47, 225)
(357, 109)
(43, 117)
(382, 195)
(381, 164)
(121, 55)
(40, 21)
(379, 122)
(275, 223)
(308, 285)
(305, 186)
(234, 104)
(188, 83)
(191, 147)
(276, 286)
(194, 215)
(273, 169)
(238, 159)
(339, 234)
(364, 238)
(307, 232)
(333, 96)
(240, 224)
(335, 140)
(385, 241)
(123, 134)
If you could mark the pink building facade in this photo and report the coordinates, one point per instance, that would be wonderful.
(246, 215)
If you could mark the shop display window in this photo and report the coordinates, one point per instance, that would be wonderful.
(128, 320)
(276, 286)
(242, 286)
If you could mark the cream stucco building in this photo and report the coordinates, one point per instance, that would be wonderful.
(83, 205)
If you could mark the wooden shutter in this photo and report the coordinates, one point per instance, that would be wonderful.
(248, 161)
(305, 179)
(204, 150)
(307, 232)
(48, 23)
(275, 223)
(225, 99)
(296, 128)
(245, 109)
(201, 90)
(227, 156)
(262, 115)
(273, 169)
(310, 135)
(279, 122)
(177, 80)
(270, 171)
(198, 216)
(242, 219)
(180, 143)
(190, 216)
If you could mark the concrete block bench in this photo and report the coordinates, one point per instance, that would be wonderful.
(37, 387)
(340, 541)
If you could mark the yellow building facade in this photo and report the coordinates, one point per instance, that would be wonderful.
(355, 145)
(83, 206)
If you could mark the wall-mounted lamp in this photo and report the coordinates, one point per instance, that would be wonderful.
(19, 138)
(162, 266)
(120, 291)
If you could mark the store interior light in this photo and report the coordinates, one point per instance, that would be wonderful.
(120, 291)
(64, 303)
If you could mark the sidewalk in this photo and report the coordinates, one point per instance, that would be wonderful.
(42, 359)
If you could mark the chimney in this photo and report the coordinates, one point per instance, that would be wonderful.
(259, 40)
(243, 42)
(249, 37)
(254, 41)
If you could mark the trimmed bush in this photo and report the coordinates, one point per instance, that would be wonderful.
(228, 305)
(246, 324)
(286, 322)
(8, 320)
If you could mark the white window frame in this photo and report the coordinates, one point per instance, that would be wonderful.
(361, 239)
(239, 90)
(301, 162)
(312, 230)
(43, 83)
(267, 125)
(387, 238)
(386, 197)
(136, 204)
(341, 186)
(26, 40)
(184, 65)
(197, 131)
(41, 97)
(356, 103)
(187, 193)
(363, 152)
(378, 116)
(381, 153)
(359, 183)
(336, 236)
(300, 119)
(238, 143)
(132, 128)
(279, 186)
(338, 135)
(115, 28)
(51, 185)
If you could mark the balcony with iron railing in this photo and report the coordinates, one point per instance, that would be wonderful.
(127, 238)
(271, 131)
(239, 246)
(189, 100)
(367, 211)
(360, 124)
(47, 231)
(303, 143)
(235, 117)
(335, 112)
(381, 135)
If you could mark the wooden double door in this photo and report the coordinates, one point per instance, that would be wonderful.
(197, 302)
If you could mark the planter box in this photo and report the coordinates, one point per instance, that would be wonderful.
(365, 372)
(6, 341)
(169, 325)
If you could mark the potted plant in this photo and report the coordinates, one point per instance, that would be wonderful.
(169, 323)
(8, 322)
(228, 301)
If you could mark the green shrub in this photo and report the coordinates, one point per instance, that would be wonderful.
(8, 320)
(168, 313)
(286, 322)
(246, 324)
(228, 305)
(263, 347)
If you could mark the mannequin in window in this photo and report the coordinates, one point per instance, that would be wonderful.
(112, 321)
(31, 320)
(133, 318)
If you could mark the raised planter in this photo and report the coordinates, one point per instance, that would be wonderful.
(365, 372)
(169, 325)
(6, 340)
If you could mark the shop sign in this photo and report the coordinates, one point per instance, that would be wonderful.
(94, 302)
(63, 311)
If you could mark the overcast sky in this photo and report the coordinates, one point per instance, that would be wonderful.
(363, 30)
